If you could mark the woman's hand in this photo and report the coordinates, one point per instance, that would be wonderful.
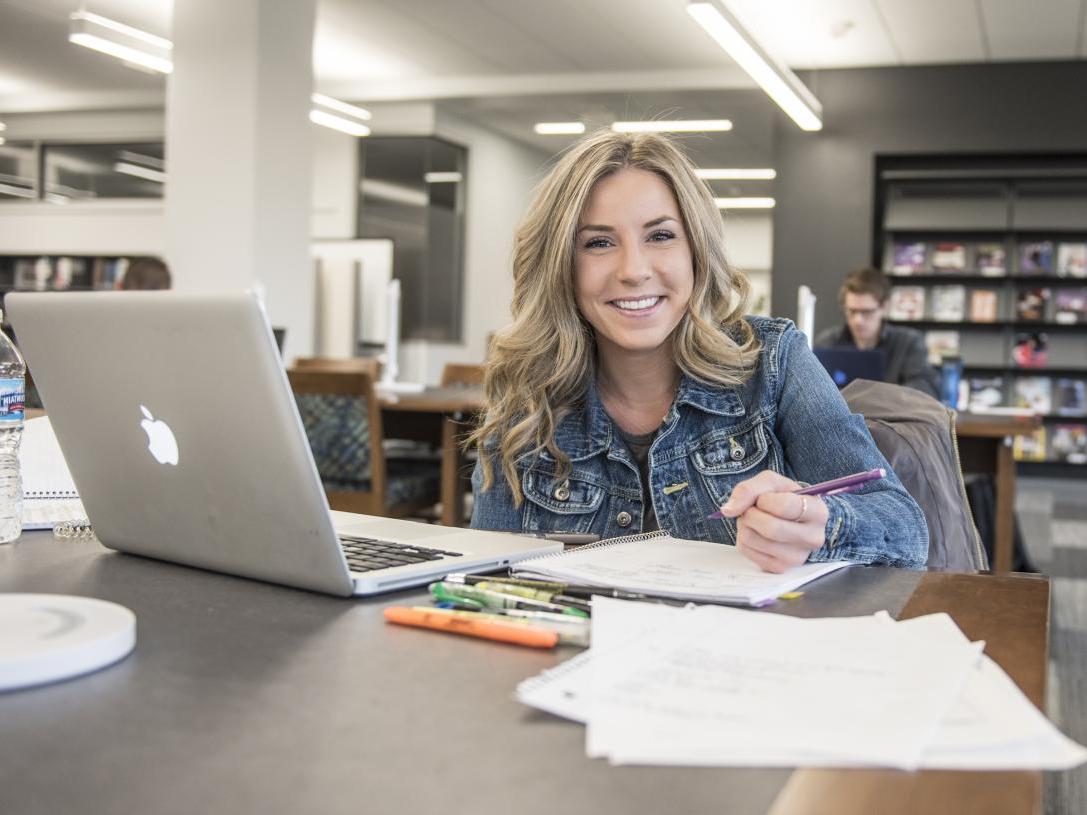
(776, 528)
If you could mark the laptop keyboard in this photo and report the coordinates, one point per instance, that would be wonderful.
(370, 554)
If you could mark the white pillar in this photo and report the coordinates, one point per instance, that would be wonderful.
(238, 147)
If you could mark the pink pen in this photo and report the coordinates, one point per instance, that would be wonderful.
(836, 486)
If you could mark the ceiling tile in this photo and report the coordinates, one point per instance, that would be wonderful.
(1018, 31)
(934, 31)
(821, 34)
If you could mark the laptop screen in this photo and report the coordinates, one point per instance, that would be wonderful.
(845, 364)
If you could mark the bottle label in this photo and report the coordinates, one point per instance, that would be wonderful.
(12, 400)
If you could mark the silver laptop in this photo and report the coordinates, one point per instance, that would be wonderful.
(179, 426)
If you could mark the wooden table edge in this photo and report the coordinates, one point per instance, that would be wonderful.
(1014, 622)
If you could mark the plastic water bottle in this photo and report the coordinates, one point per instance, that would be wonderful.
(12, 403)
(950, 377)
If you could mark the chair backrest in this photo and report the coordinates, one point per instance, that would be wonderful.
(342, 418)
(461, 373)
(916, 434)
(366, 365)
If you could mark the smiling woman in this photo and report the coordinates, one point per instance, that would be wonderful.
(631, 393)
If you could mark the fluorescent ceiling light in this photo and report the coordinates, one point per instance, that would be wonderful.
(140, 172)
(347, 118)
(121, 28)
(744, 203)
(442, 178)
(141, 48)
(119, 40)
(391, 191)
(18, 192)
(780, 84)
(341, 107)
(141, 158)
(737, 174)
(347, 126)
(3, 126)
(673, 126)
(559, 128)
(1, 139)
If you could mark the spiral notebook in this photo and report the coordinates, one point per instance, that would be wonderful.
(656, 564)
(49, 493)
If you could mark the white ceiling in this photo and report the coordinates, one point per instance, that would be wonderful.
(371, 49)
(508, 63)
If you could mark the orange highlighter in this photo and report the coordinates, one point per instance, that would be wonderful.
(486, 629)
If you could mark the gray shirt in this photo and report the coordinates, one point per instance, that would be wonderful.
(907, 357)
(639, 444)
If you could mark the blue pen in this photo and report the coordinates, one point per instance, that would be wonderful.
(836, 486)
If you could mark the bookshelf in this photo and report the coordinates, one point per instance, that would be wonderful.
(72, 272)
(988, 258)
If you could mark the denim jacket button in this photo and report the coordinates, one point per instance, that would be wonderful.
(623, 519)
(562, 493)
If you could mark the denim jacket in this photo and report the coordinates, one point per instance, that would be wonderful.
(788, 417)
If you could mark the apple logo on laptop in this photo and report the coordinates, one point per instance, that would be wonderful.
(160, 438)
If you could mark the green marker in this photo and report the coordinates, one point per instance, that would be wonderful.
(494, 599)
(442, 595)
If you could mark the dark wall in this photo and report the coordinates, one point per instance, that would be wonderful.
(825, 185)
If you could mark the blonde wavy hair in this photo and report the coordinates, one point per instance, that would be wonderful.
(541, 365)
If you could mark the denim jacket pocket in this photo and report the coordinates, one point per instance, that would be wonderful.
(724, 458)
(725, 452)
(554, 504)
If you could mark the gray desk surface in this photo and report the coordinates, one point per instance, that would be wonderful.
(247, 697)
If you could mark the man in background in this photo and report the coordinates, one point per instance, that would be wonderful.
(145, 273)
(863, 298)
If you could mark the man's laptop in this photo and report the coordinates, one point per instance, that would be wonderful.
(178, 423)
(844, 364)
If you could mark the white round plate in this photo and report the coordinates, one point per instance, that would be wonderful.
(49, 637)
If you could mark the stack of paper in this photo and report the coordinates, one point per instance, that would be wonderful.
(715, 686)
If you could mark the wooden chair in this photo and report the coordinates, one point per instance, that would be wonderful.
(366, 365)
(342, 418)
(461, 373)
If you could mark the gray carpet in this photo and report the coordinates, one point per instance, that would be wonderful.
(1053, 518)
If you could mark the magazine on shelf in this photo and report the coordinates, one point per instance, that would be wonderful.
(985, 392)
(1069, 443)
(1072, 259)
(1030, 304)
(1031, 447)
(949, 303)
(1036, 258)
(1070, 397)
(1031, 349)
(983, 305)
(949, 258)
(1033, 392)
(989, 259)
(1070, 305)
(907, 303)
(942, 344)
(908, 258)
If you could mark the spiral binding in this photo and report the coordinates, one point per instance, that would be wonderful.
(79, 529)
(557, 673)
(600, 544)
(51, 494)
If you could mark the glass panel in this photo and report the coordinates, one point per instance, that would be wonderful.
(75, 172)
(411, 190)
(18, 173)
